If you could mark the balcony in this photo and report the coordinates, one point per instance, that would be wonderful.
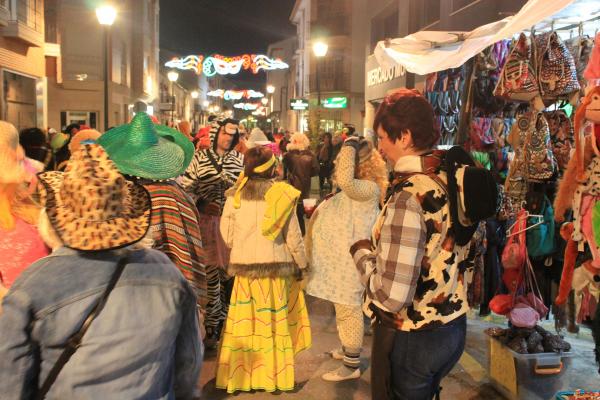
(4, 13)
(25, 21)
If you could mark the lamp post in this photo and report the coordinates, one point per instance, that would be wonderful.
(320, 50)
(173, 76)
(270, 91)
(194, 95)
(106, 15)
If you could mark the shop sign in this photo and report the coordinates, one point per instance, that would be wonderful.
(379, 75)
(379, 81)
(298, 104)
(335, 102)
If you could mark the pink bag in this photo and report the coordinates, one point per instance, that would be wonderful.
(515, 251)
(523, 316)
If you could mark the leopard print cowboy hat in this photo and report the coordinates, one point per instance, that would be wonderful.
(91, 206)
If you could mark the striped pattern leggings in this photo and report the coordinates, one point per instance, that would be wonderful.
(218, 301)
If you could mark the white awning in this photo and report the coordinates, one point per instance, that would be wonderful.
(430, 51)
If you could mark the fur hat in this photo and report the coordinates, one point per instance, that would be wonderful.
(91, 206)
(11, 155)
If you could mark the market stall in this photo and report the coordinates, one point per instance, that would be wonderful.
(523, 96)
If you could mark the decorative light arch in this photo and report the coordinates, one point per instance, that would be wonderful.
(235, 94)
(218, 64)
(247, 106)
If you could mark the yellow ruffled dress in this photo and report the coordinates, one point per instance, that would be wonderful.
(267, 325)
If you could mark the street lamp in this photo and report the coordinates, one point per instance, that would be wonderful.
(270, 91)
(264, 101)
(173, 76)
(320, 49)
(106, 15)
(194, 95)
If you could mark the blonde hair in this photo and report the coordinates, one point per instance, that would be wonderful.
(15, 201)
(298, 141)
(47, 232)
(373, 169)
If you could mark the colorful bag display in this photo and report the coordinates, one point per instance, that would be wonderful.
(556, 72)
(518, 80)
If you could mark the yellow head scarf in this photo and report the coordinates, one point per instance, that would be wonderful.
(243, 179)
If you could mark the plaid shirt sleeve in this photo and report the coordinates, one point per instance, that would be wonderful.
(390, 272)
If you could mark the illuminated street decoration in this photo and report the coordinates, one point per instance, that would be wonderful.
(247, 106)
(235, 94)
(260, 111)
(218, 64)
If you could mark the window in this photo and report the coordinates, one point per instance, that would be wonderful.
(383, 26)
(431, 11)
(30, 13)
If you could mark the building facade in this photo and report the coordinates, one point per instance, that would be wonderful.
(398, 18)
(76, 74)
(337, 79)
(22, 74)
(279, 102)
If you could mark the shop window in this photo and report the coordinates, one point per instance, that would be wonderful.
(88, 118)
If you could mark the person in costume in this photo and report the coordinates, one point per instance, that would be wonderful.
(211, 172)
(300, 165)
(20, 242)
(339, 222)
(154, 155)
(144, 342)
(416, 269)
(267, 323)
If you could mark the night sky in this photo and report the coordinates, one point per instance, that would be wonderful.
(227, 27)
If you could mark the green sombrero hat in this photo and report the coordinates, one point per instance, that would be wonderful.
(147, 150)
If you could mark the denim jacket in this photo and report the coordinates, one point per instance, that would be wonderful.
(144, 344)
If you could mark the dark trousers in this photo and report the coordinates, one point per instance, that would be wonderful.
(411, 365)
(300, 214)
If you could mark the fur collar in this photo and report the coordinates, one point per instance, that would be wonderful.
(255, 189)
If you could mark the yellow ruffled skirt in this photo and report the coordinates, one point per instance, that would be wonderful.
(267, 325)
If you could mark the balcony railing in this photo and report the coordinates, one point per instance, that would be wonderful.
(25, 21)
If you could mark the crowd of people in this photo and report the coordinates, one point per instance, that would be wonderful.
(125, 253)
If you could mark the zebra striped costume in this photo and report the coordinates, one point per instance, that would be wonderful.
(206, 179)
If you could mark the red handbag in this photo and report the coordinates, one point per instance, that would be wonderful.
(501, 304)
(515, 251)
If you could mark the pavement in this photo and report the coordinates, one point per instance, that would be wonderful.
(468, 380)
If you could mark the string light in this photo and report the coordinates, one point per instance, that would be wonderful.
(218, 64)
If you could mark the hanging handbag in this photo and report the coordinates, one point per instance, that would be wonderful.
(514, 253)
(518, 80)
(556, 72)
(74, 342)
(540, 238)
(580, 48)
(537, 150)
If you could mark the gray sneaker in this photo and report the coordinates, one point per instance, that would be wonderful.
(342, 373)
(337, 354)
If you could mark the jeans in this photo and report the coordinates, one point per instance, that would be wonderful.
(416, 361)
